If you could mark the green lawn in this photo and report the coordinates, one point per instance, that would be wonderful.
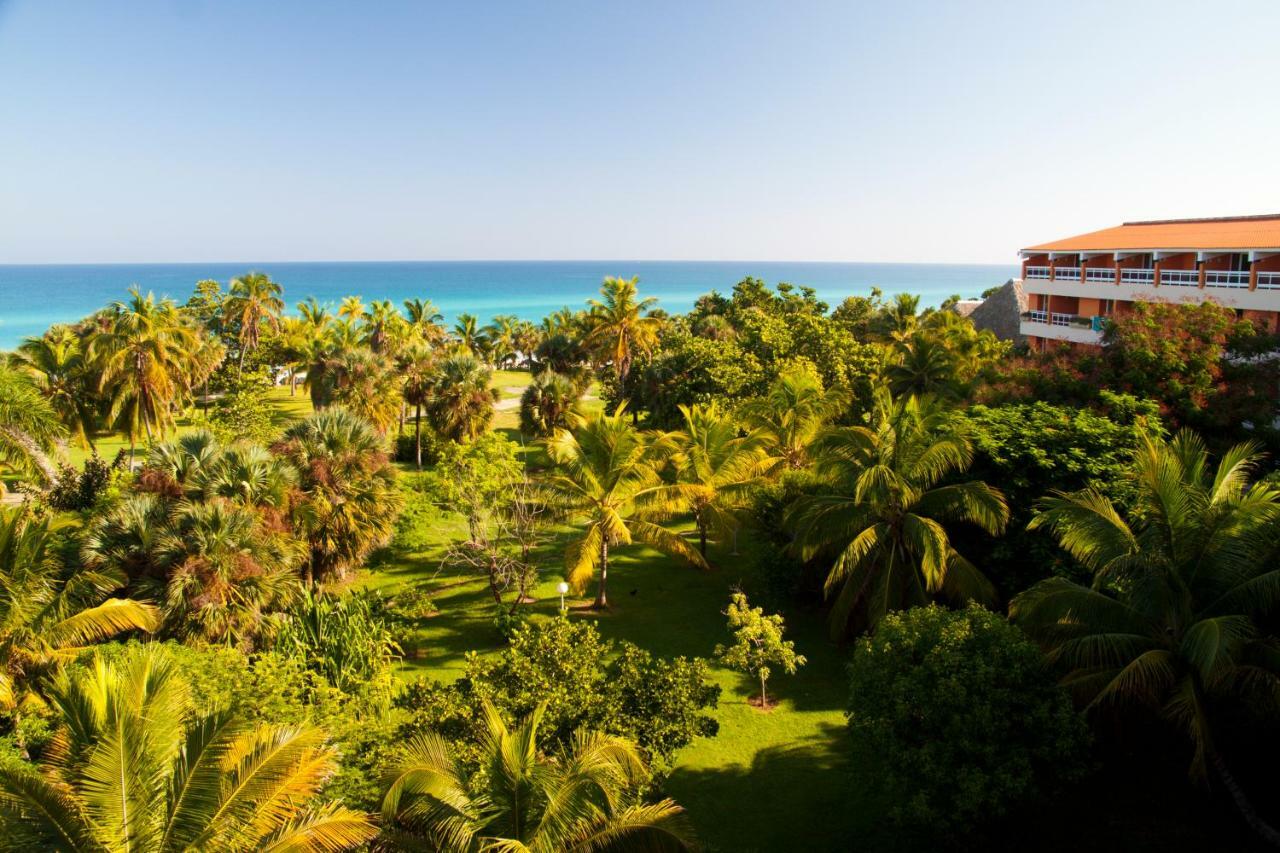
(768, 781)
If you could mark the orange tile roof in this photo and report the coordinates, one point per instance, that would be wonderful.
(1230, 232)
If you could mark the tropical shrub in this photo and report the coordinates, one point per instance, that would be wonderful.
(961, 717)
(342, 638)
(584, 682)
(76, 491)
(245, 412)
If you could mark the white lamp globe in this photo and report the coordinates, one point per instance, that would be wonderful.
(562, 588)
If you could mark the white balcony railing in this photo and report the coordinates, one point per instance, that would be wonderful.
(1137, 276)
(1037, 272)
(1066, 273)
(1269, 281)
(1107, 274)
(1056, 319)
(1037, 316)
(1180, 278)
(1223, 278)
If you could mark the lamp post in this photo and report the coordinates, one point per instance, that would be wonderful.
(562, 588)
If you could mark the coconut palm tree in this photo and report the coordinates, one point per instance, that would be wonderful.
(347, 499)
(417, 372)
(716, 468)
(55, 362)
(881, 513)
(365, 385)
(606, 476)
(584, 799)
(1169, 622)
(48, 615)
(134, 768)
(564, 355)
(254, 303)
(144, 360)
(792, 415)
(425, 320)
(29, 426)
(380, 325)
(547, 403)
(619, 327)
(467, 333)
(314, 314)
(923, 366)
(460, 402)
(501, 334)
(351, 309)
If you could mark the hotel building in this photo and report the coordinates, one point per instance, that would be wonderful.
(1072, 285)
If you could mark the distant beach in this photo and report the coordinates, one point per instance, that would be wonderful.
(34, 297)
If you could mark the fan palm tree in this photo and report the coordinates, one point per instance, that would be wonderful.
(254, 303)
(380, 322)
(47, 614)
(29, 426)
(1169, 621)
(584, 799)
(619, 327)
(133, 768)
(606, 475)
(717, 468)
(460, 402)
(55, 362)
(348, 500)
(144, 359)
(417, 372)
(547, 403)
(792, 415)
(223, 572)
(882, 510)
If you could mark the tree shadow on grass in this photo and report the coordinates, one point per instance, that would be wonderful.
(793, 797)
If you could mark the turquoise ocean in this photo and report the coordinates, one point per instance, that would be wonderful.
(34, 297)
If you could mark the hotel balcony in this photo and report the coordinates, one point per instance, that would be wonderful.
(1062, 327)
(1229, 287)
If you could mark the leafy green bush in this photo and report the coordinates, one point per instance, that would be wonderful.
(245, 412)
(586, 681)
(342, 638)
(961, 716)
(75, 491)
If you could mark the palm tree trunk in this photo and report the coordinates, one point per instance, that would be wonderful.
(602, 598)
(417, 433)
(1246, 809)
(764, 697)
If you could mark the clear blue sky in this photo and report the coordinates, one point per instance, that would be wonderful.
(891, 131)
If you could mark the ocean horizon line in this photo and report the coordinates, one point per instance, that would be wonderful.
(5, 264)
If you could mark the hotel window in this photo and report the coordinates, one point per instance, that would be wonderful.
(1240, 262)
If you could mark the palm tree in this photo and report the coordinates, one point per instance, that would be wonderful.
(365, 385)
(606, 473)
(618, 327)
(417, 371)
(501, 334)
(1169, 621)
(717, 469)
(466, 331)
(460, 402)
(792, 415)
(49, 615)
(348, 500)
(352, 309)
(381, 320)
(882, 511)
(144, 357)
(224, 572)
(254, 301)
(425, 320)
(135, 769)
(29, 426)
(546, 404)
(314, 314)
(584, 799)
(924, 366)
(55, 362)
